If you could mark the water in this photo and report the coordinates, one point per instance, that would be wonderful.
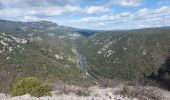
(83, 63)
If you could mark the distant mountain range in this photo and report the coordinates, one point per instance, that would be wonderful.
(42, 27)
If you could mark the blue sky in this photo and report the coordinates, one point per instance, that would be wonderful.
(90, 14)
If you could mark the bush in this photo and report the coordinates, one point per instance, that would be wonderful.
(32, 86)
(83, 92)
(163, 75)
(125, 90)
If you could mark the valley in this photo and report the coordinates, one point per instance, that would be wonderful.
(48, 56)
(84, 49)
(85, 58)
(126, 55)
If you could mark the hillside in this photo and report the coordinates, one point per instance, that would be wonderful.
(41, 49)
(127, 55)
(56, 53)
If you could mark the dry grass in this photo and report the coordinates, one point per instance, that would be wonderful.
(140, 92)
(110, 83)
(67, 89)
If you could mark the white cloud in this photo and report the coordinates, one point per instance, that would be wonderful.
(30, 18)
(34, 9)
(95, 15)
(52, 11)
(126, 3)
(37, 3)
(96, 9)
(140, 19)
(130, 3)
(125, 14)
(150, 13)
(36, 13)
(104, 18)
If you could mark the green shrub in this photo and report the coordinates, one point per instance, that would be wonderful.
(84, 92)
(32, 86)
(125, 90)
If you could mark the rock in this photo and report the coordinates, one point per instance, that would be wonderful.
(23, 97)
(46, 98)
(109, 94)
(3, 96)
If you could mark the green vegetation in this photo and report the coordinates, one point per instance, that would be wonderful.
(125, 90)
(48, 55)
(47, 58)
(32, 86)
(127, 55)
(163, 74)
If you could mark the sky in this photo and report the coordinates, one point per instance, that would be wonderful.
(90, 14)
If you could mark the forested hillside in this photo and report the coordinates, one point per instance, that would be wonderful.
(127, 55)
(40, 49)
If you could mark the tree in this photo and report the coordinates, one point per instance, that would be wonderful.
(167, 62)
(162, 70)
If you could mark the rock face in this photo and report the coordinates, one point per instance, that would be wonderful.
(96, 93)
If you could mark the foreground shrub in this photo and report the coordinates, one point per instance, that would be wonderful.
(163, 74)
(125, 90)
(31, 86)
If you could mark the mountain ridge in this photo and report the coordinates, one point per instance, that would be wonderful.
(81, 29)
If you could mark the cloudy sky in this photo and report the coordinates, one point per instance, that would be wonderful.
(90, 14)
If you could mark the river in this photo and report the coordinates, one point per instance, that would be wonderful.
(83, 63)
(82, 59)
